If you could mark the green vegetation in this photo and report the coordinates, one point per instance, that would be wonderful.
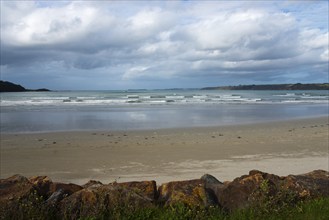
(34, 208)
(314, 209)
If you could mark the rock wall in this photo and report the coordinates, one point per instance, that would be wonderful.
(78, 201)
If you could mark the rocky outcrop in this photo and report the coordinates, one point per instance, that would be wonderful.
(11, 87)
(74, 201)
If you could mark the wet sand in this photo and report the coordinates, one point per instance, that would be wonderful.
(285, 147)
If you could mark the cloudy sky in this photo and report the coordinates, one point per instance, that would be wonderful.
(162, 44)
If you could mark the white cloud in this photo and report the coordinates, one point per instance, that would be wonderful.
(314, 39)
(135, 72)
(49, 25)
(325, 56)
(163, 40)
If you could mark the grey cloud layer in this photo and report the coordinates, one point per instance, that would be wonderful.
(162, 40)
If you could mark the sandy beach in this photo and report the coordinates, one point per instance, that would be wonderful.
(283, 147)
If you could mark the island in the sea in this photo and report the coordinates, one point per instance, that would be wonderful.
(6, 86)
(297, 86)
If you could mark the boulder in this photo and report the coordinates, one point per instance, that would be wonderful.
(245, 190)
(212, 187)
(14, 187)
(309, 185)
(209, 179)
(147, 189)
(92, 200)
(123, 196)
(67, 188)
(192, 193)
(92, 184)
(72, 201)
(13, 191)
(59, 191)
(56, 197)
(236, 194)
(80, 204)
(42, 185)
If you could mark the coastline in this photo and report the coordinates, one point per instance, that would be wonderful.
(282, 147)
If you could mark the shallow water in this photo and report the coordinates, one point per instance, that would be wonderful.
(131, 110)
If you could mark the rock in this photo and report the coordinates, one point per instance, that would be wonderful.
(13, 190)
(72, 201)
(18, 190)
(56, 197)
(245, 190)
(14, 187)
(92, 200)
(124, 196)
(309, 185)
(69, 188)
(317, 174)
(42, 185)
(209, 179)
(83, 203)
(213, 187)
(92, 184)
(147, 189)
(236, 194)
(191, 193)
(59, 191)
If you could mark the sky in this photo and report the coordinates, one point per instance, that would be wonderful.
(105, 45)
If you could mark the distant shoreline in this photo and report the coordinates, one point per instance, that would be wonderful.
(6, 86)
(297, 86)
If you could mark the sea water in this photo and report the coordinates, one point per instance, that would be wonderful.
(153, 109)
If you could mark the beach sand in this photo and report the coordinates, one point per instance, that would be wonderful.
(284, 147)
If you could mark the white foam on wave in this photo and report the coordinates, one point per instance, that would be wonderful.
(314, 97)
(157, 101)
(306, 101)
(132, 96)
(200, 96)
(285, 95)
(50, 98)
(174, 97)
(119, 99)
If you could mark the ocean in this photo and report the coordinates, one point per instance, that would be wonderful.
(153, 109)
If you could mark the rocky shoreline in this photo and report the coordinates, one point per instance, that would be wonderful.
(6, 86)
(78, 201)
